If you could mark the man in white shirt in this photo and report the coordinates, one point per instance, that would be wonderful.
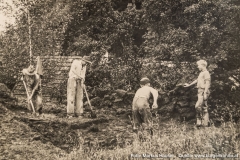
(75, 86)
(142, 116)
(203, 85)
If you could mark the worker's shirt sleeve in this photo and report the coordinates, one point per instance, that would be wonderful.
(75, 69)
(154, 93)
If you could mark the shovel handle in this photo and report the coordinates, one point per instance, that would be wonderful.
(87, 96)
(28, 96)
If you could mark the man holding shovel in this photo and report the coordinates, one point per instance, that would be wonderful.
(203, 85)
(75, 86)
(31, 81)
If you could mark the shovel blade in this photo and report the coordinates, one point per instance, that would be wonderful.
(93, 114)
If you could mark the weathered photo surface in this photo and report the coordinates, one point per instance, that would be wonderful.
(119, 79)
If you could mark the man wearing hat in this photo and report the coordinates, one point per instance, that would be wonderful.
(142, 116)
(32, 81)
(75, 86)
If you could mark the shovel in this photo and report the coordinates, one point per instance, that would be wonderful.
(28, 96)
(93, 114)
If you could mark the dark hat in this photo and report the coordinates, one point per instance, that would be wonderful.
(144, 81)
(87, 59)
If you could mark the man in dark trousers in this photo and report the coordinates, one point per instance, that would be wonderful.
(33, 87)
(142, 117)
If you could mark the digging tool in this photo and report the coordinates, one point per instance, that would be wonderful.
(93, 114)
(28, 96)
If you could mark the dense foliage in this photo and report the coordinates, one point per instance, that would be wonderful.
(143, 38)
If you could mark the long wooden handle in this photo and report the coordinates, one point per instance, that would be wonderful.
(28, 96)
(87, 97)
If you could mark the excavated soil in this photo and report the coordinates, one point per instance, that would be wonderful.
(23, 132)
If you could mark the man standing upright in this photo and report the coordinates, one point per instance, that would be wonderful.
(203, 85)
(75, 86)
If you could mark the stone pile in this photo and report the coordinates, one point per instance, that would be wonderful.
(178, 103)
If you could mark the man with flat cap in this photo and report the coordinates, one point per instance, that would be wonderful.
(142, 116)
(75, 86)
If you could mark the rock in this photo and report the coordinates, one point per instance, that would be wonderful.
(118, 100)
(174, 101)
(183, 110)
(192, 94)
(128, 98)
(36, 138)
(107, 103)
(94, 128)
(120, 111)
(114, 95)
(183, 103)
(187, 114)
(130, 94)
(4, 91)
(163, 99)
(96, 101)
(107, 97)
(120, 92)
(166, 108)
(4, 88)
(182, 92)
(101, 92)
(184, 97)
(120, 104)
(122, 98)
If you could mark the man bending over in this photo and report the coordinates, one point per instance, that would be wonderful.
(142, 116)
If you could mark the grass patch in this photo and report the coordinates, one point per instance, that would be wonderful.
(173, 141)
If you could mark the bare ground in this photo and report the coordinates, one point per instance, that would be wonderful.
(52, 135)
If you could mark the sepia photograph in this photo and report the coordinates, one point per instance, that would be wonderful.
(119, 79)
